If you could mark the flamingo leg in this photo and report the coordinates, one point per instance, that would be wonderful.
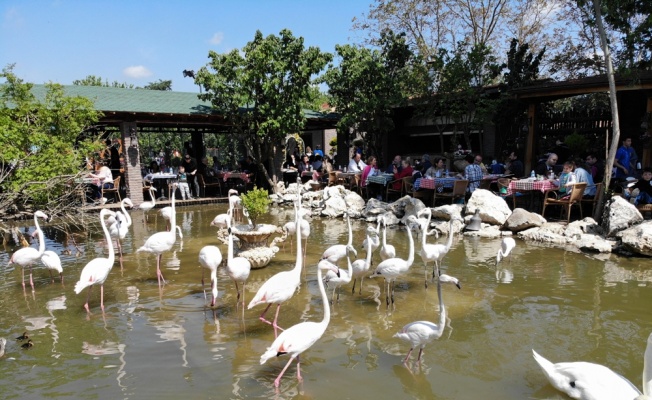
(159, 274)
(102, 297)
(88, 297)
(31, 281)
(353, 290)
(299, 368)
(203, 284)
(387, 294)
(117, 241)
(23, 270)
(393, 283)
(425, 268)
(262, 316)
(277, 381)
(420, 352)
(361, 280)
(408, 356)
(278, 308)
(237, 290)
(213, 282)
(52, 277)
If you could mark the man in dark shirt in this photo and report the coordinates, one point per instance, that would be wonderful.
(515, 166)
(190, 165)
(644, 188)
(595, 167)
(545, 167)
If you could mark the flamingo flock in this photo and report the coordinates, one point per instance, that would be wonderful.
(581, 380)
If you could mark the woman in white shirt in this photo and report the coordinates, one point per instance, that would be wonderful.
(105, 178)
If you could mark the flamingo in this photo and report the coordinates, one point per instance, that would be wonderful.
(97, 270)
(3, 346)
(148, 205)
(506, 247)
(430, 252)
(300, 337)
(387, 251)
(589, 381)
(334, 253)
(238, 269)
(375, 239)
(304, 226)
(161, 242)
(52, 262)
(392, 268)
(439, 251)
(289, 226)
(341, 277)
(420, 333)
(222, 220)
(27, 256)
(235, 203)
(210, 257)
(119, 227)
(280, 287)
(166, 212)
(361, 267)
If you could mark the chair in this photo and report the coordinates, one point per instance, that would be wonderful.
(423, 194)
(566, 202)
(503, 183)
(594, 200)
(459, 191)
(115, 190)
(203, 185)
(390, 191)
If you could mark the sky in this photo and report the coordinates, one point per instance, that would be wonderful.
(143, 41)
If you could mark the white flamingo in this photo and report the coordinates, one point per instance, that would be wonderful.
(361, 266)
(27, 256)
(161, 242)
(49, 259)
(300, 337)
(97, 270)
(280, 287)
(148, 205)
(119, 226)
(210, 257)
(440, 250)
(392, 268)
(223, 220)
(289, 226)
(374, 238)
(334, 253)
(166, 212)
(506, 247)
(235, 203)
(429, 252)
(238, 269)
(340, 278)
(387, 251)
(589, 381)
(420, 333)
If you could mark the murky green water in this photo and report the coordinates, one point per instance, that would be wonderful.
(568, 306)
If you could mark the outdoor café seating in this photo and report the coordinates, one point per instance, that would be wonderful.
(203, 185)
(115, 190)
(459, 192)
(566, 202)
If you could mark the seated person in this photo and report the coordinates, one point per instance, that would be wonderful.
(290, 169)
(316, 165)
(326, 167)
(417, 172)
(356, 165)
(104, 178)
(545, 167)
(515, 166)
(496, 168)
(395, 163)
(425, 161)
(644, 186)
(438, 170)
(370, 170)
(582, 175)
(566, 179)
(406, 170)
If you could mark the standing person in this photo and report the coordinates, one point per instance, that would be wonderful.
(309, 153)
(473, 173)
(356, 165)
(516, 167)
(190, 165)
(183, 184)
(318, 151)
(623, 159)
(595, 167)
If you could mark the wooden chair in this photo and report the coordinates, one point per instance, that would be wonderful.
(390, 191)
(594, 200)
(567, 202)
(203, 185)
(115, 190)
(459, 192)
(423, 194)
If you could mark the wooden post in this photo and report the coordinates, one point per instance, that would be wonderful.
(529, 150)
(133, 178)
(646, 161)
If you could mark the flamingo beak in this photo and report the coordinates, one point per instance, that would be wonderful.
(458, 285)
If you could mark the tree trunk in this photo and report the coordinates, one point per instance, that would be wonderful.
(609, 162)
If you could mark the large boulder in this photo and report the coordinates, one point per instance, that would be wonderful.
(521, 220)
(338, 200)
(547, 233)
(586, 226)
(493, 209)
(447, 211)
(639, 238)
(412, 207)
(593, 242)
(620, 215)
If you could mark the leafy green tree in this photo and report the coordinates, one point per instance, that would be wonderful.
(92, 80)
(160, 85)
(41, 140)
(367, 85)
(260, 91)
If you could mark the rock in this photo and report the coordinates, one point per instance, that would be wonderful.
(550, 232)
(412, 207)
(493, 209)
(398, 207)
(443, 226)
(593, 242)
(638, 239)
(620, 214)
(445, 212)
(578, 228)
(521, 220)
(338, 200)
(488, 231)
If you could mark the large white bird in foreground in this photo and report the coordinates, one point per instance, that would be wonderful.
(589, 381)
(97, 270)
(420, 333)
(300, 337)
(506, 247)
(27, 256)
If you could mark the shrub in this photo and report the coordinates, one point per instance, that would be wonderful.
(256, 202)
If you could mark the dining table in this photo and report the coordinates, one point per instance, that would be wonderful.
(380, 179)
(526, 185)
(437, 183)
(164, 179)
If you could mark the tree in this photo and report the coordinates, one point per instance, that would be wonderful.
(160, 85)
(92, 80)
(367, 85)
(260, 91)
(41, 141)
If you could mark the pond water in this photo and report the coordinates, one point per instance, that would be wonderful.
(167, 344)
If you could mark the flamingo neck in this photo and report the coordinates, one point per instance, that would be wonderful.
(297, 228)
(126, 214)
(348, 260)
(449, 242)
(41, 242)
(442, 310)
(369, 251)
(411, 255)
(384, 235)
(327, 310)
(173, 219)
(229, 253)
(107, 235)
(348, 221)
(151, 193)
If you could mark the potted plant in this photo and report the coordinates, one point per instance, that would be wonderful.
(256, 202)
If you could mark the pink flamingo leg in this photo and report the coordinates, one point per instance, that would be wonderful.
(31, 282)
(299, 369)
(278, 308)
(212, 297)
(408, 356)
(88, 296)
(419, 356)
(23, 269)
(159, 274)
(102, 297)
(277, 381)
(262, 316)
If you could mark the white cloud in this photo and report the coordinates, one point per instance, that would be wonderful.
(217, 38)
(137, 72)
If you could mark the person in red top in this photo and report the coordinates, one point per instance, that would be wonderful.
(405, 171)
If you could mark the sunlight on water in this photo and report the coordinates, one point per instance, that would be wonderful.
(566, 305)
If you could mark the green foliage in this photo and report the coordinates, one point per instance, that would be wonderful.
(260, 90)
(256, 202)
(577, 143)
(160, 85)
(42, 139)
(92, 80)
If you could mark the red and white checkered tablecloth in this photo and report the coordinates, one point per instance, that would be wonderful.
(236, 175)
(528, 185)
(425, 183)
